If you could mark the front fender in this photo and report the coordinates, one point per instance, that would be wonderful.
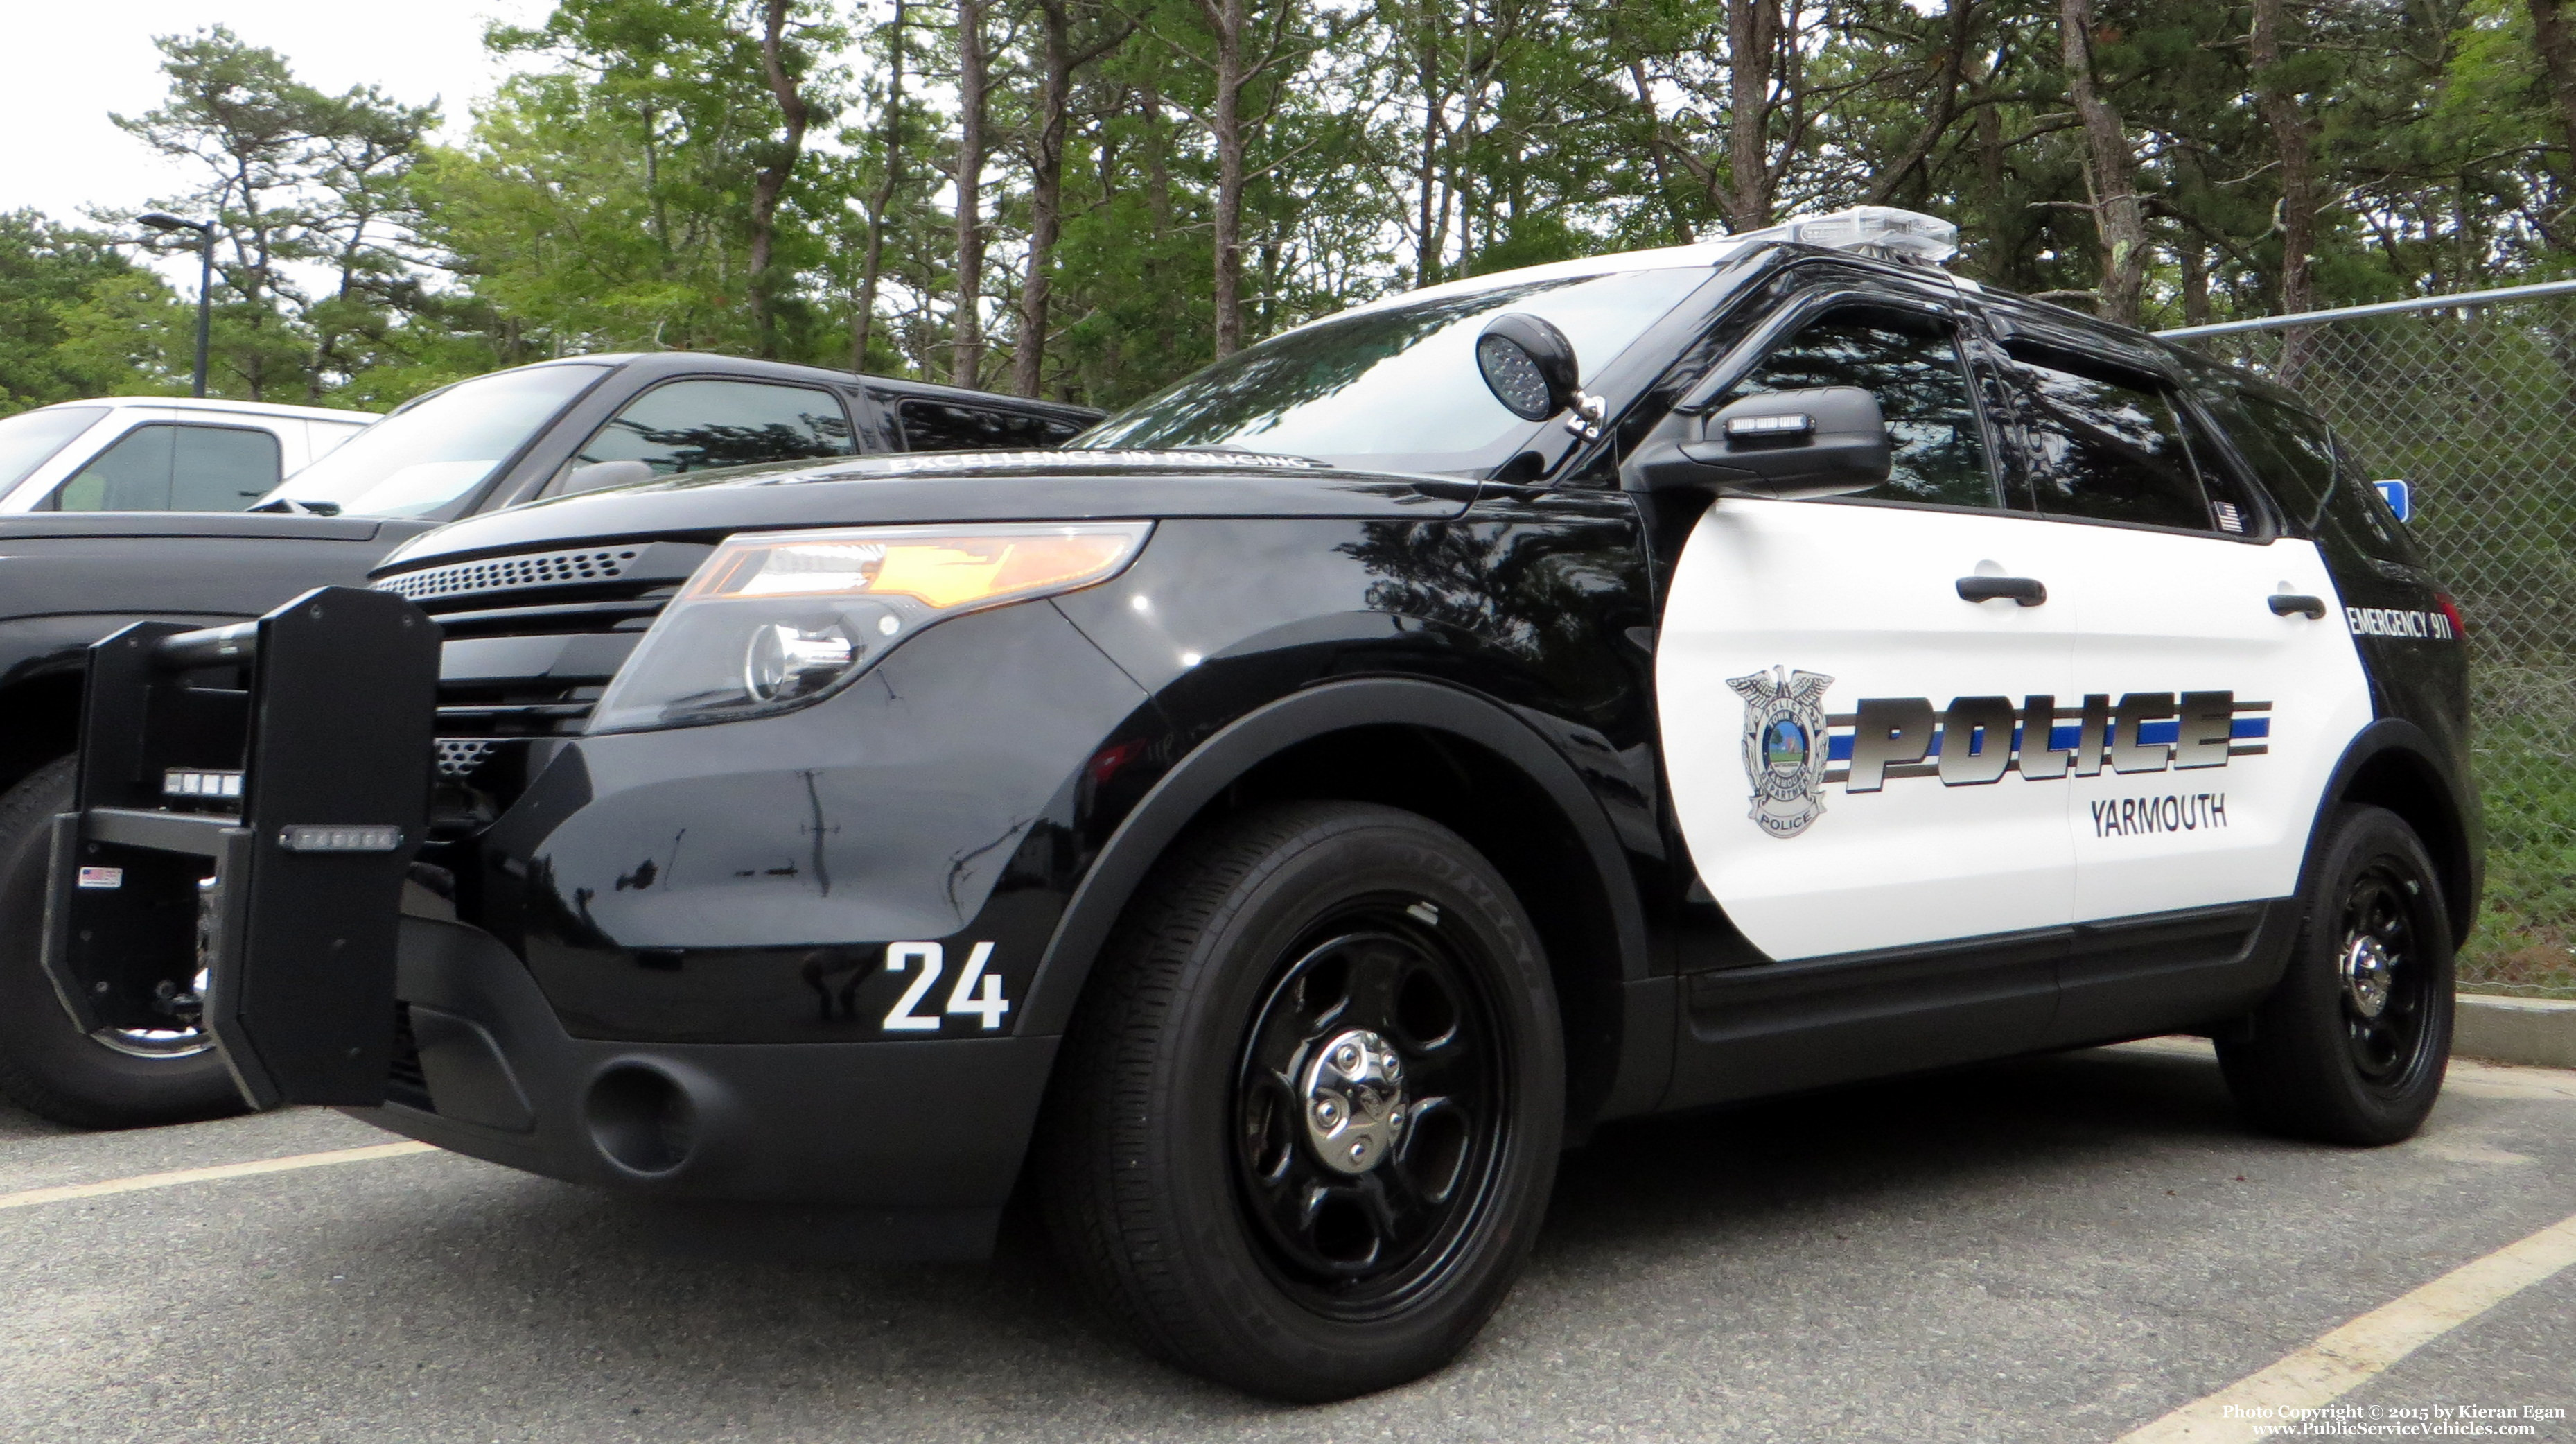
(1184, 791)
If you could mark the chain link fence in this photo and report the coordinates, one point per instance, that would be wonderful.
(2471, 400)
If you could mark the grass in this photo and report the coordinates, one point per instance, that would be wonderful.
(2525, 940)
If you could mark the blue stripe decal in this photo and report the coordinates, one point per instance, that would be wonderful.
(2064, 736)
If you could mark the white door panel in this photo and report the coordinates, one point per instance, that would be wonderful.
(2157, 612)
(1866, 597)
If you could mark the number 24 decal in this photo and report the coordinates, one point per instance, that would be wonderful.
(978, 994)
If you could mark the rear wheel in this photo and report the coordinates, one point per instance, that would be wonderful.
(2352, 1044)
(1305, 1124)
(161, 1069)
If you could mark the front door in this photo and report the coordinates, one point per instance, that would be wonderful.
(1839, 722)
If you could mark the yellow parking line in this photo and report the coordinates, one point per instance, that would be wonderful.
(2351, 1356)
(31, 1197)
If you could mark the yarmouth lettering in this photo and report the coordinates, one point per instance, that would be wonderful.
(2172, 812)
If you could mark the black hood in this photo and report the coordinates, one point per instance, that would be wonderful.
(950, 487)
(234, 524)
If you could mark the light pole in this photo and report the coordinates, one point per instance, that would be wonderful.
(164, 221)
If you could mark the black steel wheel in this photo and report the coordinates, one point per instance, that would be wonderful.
(1369, 1108)
(2388, 993)
(154, 1065)
(2352, 1044)
(1305, 1122)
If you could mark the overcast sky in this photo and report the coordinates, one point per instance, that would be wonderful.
(68, 65)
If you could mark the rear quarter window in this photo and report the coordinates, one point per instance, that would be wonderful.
(2313, 479)
(947, 426)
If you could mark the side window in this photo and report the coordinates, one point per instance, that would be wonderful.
(2290, 453)
(1915, 372)
(174, 467)
(697, 425)
(2113, 451)
(946, 426)
(2307, 473)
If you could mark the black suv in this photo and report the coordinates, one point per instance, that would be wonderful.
(1279, 825)
(68, 578)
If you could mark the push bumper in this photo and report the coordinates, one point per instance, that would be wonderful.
(928, 1132)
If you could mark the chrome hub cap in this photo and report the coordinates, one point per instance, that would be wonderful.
(2368, 972)
(1353, 1097)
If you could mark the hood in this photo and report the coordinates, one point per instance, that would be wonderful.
(241, 524)
(129, 564)
(963, 486)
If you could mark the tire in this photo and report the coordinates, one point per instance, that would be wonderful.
(47, 1065)
(2350, 1047)
(1275, 963)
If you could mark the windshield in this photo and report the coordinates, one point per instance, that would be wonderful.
(1394, 389)
(30, 438)
(439, 448)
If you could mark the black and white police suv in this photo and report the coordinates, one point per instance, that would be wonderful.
(1275, 828)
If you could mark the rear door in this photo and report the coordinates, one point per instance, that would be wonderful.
(1840, 723)
(2214, 689)
(2222, 711)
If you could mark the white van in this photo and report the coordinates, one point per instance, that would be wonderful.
(160, 453)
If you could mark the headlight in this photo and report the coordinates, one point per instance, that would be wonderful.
(775, 620)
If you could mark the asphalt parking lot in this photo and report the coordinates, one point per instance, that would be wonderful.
(2063, 1248)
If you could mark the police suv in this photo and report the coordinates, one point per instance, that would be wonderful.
(1279, 826)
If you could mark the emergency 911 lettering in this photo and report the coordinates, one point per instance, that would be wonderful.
(2393, 622)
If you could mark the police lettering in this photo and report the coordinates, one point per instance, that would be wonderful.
(1976, 740)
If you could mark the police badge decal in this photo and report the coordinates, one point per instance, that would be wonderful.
(1784, 747)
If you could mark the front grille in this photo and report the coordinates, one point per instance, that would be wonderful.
(499, 574)
(533, 640)
(458, 757)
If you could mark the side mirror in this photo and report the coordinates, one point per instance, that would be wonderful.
(600, 475)
(1529, 365)
(1824, 441)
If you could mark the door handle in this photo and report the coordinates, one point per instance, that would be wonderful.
(2024, 591)
(2284, 603)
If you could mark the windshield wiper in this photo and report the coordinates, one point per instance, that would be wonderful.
(289, 506)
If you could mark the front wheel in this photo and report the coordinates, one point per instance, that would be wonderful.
(158, 1066)
(2351, 1045)
(1305, 1123)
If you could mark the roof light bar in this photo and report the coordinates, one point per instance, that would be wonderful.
(1881, 231)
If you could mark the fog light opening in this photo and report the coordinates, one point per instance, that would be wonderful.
(642, 1119)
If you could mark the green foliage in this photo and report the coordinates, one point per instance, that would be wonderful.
(604, 196)
(78, 319)
(603, 201)
(309, 193)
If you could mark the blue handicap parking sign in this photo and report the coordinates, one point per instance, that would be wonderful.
(2401, 498)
